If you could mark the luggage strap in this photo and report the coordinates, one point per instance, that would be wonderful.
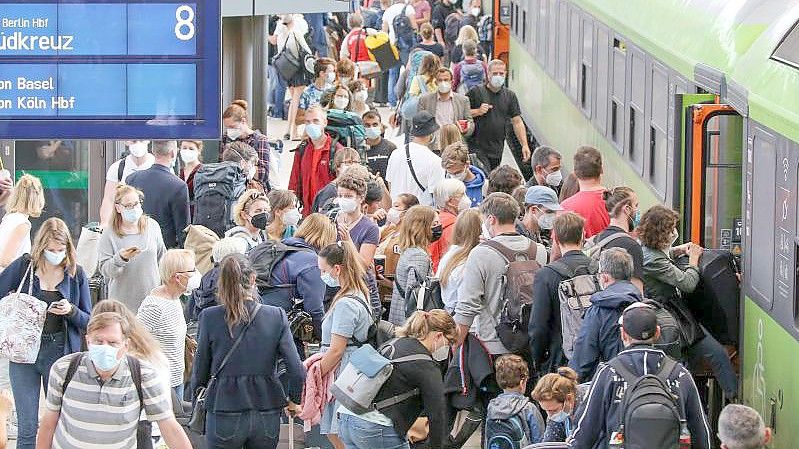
(410, 165)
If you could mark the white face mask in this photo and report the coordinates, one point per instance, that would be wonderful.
(347, 205)
(546, 221)
(475, 12)
(138, 149)
(330, 77)
(189, 155)
(233, 133)
(341, 102)
(459, 176)
(444, 87)
(252, 172)
(193, 283)
(441, 354)
(54, 257)
(393, 216)
(554, 179)
(465, 203)
(291, 217)
(361, 96)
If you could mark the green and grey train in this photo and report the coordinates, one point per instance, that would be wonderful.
(694, 104)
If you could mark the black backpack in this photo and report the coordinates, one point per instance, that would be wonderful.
(506, 433)
(217, 187)
(670, 341)
(650, 416)
(403, 30)
(265, 257)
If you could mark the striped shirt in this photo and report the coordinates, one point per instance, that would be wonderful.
(103, 415)
(164, 319)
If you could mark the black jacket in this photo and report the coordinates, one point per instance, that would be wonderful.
(470, 373)
(599, 417)
(204, 296)
(166, 200)
(424, 375)
(546, 342)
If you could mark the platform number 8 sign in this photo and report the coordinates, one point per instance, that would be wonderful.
(184, 28)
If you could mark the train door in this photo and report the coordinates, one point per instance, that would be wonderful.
(713, 176)
(501, 42)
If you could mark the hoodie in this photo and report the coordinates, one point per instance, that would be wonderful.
(474, 188)
(599, 338)
(508, 405)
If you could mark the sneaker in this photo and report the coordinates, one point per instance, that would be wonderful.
(11, 430)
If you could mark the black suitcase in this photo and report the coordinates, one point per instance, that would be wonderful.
(716, 301)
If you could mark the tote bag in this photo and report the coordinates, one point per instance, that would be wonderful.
(21, 322)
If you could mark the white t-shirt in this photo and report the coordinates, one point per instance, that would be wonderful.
(426, 165)
(10, 222)
(130, 167)
(392, 12)
(282, 35)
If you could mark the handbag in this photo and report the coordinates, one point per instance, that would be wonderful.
(199, 411)
(22, 323)
(86, 250)
(286, 63)
(301, 324)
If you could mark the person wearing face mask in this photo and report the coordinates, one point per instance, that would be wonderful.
(419, 228)
(380, 149)
(59, 282)
(388, 249)
(237, 128)
(138, 158)
(540, 208)
(311, 169)
(129, 250)
(456, 164)
(425, 333)
(598, 340)
(416, 169)
(346, 323)
(191, 155)
(625, 215)
(493, 106)
(83, 400)
(324, 77)
(360, 96)
(161, 312)
(341, 99)
(480, 294)
(557, 394)
(285, 217)
(666, 282)
(166, 197)
(546, 169)
(289, 36)
(447, 106)
(251, 215)
(450, 197)
(245, 399)
(247, 159)
(467, 235)
(345, 159)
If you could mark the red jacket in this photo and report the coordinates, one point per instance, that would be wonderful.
(439, 247)
(311, 171)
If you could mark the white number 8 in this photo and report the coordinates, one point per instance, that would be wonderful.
(184, 23)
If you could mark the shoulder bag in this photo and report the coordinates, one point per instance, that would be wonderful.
(199, 411)
(21, 327)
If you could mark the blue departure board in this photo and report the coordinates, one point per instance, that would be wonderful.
(110, 69)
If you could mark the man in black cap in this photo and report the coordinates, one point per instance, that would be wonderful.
(415, 169)
(600, 415)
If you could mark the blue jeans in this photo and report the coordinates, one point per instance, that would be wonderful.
(318, 37)
(26, 380)
(709, 348)
(393, 76)
(243, 430)
(357, 433)
(277, 93)
(179, 391)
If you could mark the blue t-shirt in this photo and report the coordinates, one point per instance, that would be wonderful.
(348, 318)
(311, 95)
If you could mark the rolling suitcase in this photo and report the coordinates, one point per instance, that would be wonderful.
(716, 300)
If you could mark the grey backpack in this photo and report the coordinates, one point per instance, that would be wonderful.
(362, 378)
(575, 291)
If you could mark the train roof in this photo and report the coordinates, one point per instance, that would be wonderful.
(737, 38)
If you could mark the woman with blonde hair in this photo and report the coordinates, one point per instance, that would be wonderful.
(52, 275)
(418, 229)
(245, 399)
(317, 230)
(129, 250)
(251, 215)
(556, 393)
(447, 135)
(346, 323)
(425, 81)
(425, 339)
(161, 312)
(468, 228)
(26, 200)
(466, 33)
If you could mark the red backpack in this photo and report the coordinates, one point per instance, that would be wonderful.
(356, 44)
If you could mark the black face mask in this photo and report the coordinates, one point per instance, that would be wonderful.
(437, 231)
(260, 221)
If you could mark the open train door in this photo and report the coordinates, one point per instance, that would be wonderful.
(712, 175)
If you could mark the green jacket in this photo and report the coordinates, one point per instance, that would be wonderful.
(663, 279)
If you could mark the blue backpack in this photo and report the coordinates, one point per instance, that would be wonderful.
(403, 31)
(505, 433)
(472, 75)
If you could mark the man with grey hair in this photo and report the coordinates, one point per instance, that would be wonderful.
(546, 168)
(599, 340)
(166, 197)
(741, 427)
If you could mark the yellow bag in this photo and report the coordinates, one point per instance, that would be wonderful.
(382, 51)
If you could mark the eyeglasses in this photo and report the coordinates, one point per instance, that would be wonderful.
(131, 205)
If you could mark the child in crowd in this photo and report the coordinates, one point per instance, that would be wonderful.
(512, 421)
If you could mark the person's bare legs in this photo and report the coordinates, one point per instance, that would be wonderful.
(296, 92)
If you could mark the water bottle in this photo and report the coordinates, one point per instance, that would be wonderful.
(685, 435)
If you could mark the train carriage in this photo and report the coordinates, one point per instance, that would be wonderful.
(694, 104)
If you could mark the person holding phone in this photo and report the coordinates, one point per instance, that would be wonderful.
(129, 250)
(62, 284)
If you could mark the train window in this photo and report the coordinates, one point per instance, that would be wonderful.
(602, 64)
(614, 121)
(658, 142)
(723, 179)
(543, 36)
(583, 82)
(563, 44)
(552, 50)
(524, 26)
(631, 141)
(763, 214)
(787, 51)
(586, 67)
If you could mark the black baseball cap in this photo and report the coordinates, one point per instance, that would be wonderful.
(639, 321)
